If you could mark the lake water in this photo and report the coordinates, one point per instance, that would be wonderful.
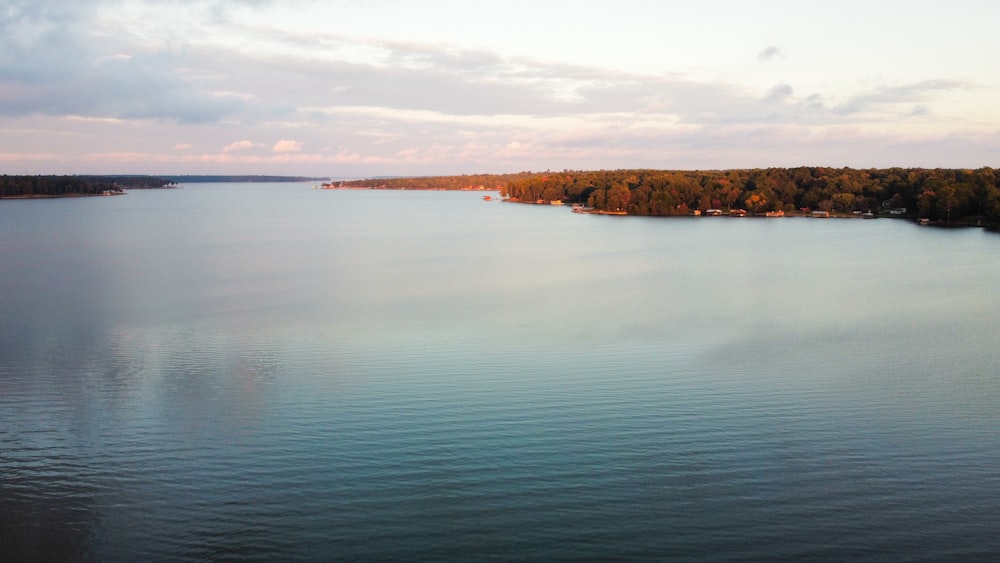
(267, 371)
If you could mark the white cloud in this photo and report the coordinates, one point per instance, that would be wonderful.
(238, 146)
(287, 146)
(113, 58)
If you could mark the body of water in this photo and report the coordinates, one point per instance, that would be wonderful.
(271, 372)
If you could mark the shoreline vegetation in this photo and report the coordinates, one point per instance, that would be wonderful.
(945, 197)
(48, 187)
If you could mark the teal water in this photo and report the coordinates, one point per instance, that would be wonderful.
(273, 372)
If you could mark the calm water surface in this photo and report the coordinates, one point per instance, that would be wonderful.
(273, 372)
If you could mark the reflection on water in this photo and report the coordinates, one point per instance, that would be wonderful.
(269, 371)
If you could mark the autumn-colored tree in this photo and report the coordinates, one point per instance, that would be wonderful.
(843, 201)
(754, 202)
(618, 197)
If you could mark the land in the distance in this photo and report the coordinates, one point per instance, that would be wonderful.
(24, 187)
(940, 196)
(203, 179)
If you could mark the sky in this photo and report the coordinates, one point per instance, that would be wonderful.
(354, 88)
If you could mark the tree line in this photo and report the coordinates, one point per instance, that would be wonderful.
(946, 195)
(61, 186)
(462, 182)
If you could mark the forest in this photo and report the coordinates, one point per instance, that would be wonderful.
(463, 182)
(949, 196)
(67, 186)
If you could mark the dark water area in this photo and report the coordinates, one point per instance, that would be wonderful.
(272, 372)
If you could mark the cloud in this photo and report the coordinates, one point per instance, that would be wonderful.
(105, 77)
(287, 146)
(907, 93)
(769, 53)
(212, 83)
(814, 102)
(779, 93)
(110, 59)
(286, 75)
(63, 58)
(21, 157)
(238, 146)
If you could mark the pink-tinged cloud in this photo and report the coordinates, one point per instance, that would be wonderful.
(238, 146)
(182, 147)
(230, 159)
(18, 157)
(287, 146)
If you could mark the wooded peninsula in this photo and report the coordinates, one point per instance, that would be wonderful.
(71, 186)
(946, 196)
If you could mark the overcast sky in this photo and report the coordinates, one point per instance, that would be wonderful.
(368, 87)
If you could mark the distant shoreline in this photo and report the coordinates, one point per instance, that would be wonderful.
(239, 179)
(50, 187)
(60, 196)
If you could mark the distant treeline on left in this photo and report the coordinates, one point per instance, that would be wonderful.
(67, 186)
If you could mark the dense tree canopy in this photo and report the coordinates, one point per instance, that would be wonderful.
(472, 181)
(946, 195)
(59, 186)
